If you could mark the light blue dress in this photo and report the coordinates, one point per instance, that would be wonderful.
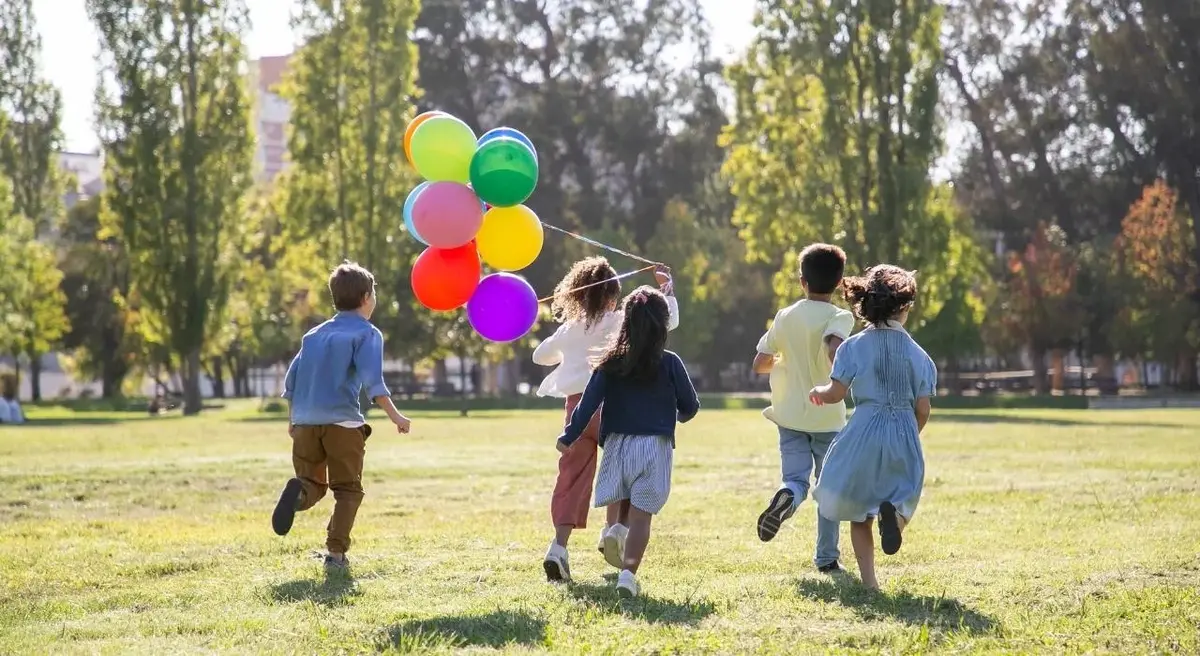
(877, 457)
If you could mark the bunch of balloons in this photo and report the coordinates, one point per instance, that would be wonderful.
(469, 212)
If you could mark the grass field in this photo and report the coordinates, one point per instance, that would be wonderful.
(1052, 532)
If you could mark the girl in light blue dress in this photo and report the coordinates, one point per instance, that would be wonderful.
(875, 467)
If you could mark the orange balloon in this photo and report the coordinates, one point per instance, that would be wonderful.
(412, 127)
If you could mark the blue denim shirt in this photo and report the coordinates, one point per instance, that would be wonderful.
(336, 360)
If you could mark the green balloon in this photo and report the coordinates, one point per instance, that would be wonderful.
(442, 148)
(504, 172)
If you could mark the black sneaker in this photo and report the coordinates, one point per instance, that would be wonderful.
(831, 568)
(889, 529)
(773, 517)
(285, 510)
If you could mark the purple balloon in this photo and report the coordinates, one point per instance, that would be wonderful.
(503, 308)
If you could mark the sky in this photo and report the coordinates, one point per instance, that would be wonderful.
(69, 45)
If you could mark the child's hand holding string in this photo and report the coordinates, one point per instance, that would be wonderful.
(662, 275)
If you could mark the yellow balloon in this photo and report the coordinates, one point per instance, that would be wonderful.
(510, 239)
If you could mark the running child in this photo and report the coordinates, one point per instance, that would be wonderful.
(875, 467)
(329, 433)
(585, 302)
(641, 391)
(798, 351)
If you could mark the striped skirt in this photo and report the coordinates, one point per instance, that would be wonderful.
(637, 468)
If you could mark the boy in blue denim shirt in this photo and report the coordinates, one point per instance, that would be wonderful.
(329, 433)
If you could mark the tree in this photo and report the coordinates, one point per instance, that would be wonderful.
(174, 119)
(1154, 253)
(834, 139)
(351, 89)
(100, 343)
(625, 130)
(1038, 298)
(28, 146)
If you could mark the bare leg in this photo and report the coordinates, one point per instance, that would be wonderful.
(864, 551)
(618, 513)
(639, 537)
(562, 533)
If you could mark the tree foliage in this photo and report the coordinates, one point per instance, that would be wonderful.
(174, 121)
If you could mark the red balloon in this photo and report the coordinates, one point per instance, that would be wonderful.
(444, 279)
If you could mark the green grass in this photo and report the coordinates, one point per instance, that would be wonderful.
(1039, 531)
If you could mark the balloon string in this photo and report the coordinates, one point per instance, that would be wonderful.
(594, 284)
(597, 244)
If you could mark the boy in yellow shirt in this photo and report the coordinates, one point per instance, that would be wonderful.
(797, 351)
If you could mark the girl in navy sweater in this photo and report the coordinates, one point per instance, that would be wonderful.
(641, 390)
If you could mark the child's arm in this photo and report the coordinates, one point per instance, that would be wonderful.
(836, 332)
(593, 396)
(289, 385)
(687, 402)
(832, 392)
(662, 275)
(368, 362)
(922, 409)
(764, 360)
(832, 342)
(763, 363)
(549, 352)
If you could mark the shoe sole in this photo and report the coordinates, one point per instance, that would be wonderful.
(613, 553)
(555, 572)
(285, 509)
(772, 518)
(889, 529)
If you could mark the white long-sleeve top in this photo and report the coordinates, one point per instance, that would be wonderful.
(572, 346)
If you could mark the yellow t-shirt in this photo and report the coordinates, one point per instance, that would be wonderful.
(797, 339)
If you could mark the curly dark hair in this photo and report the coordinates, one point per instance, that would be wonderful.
(882, 294)
(599, 293)
(638, 349)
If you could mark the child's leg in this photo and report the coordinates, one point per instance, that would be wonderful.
(571, 500)
(310, 482)
(827, 552)
(618, 513)
(864, 552)
(796, 467)
(346, 448)
(639, 537)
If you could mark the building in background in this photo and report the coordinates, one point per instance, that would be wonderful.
(271, 114)
(88, 172)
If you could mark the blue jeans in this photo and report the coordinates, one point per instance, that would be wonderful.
(802, 455)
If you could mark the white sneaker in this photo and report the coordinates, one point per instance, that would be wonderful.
(556, 564)
(614, 545)
(627, 585)
(600, 543)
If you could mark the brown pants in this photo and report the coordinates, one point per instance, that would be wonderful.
(330, 457)
(576, 470)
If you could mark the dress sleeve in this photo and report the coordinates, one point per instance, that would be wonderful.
(926, 377)
(845, 364)
(549, 352)
(672, 313)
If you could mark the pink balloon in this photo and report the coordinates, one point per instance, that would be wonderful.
(447, 214)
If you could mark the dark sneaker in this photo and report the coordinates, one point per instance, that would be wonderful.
(285, 510)
(889, 529)
(337, 565)
(831, 568)
(772, 518)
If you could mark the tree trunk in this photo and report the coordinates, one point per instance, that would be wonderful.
(1041, 383)
(1187, 371)
(110, 382)
(216, 376)
(1058, 377)
(35, 376)
(193, 403)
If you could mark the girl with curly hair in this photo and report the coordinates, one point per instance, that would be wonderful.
(875, 467)
(585, 303)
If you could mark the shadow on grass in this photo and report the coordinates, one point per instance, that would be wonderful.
(334, 590)
(656, 611)
(935, 612)
(84, 421)
(494, 630)
(1000, 418)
